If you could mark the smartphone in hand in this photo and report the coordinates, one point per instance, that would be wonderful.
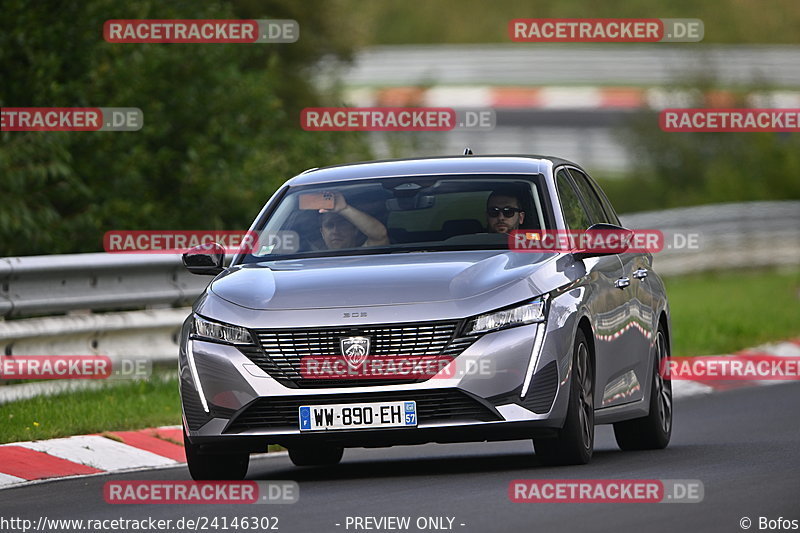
(317, 200)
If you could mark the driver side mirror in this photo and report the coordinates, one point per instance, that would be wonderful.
(205, 259)
(604, 239)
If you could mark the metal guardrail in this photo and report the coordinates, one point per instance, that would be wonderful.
(740, 235)
(462, 74)
(58, 283)
(729, 236)
(86, 287)
(537, 64)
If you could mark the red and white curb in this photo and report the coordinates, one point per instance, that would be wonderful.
(113, 451)
(116, 451)
(684, 388)
(559, 98)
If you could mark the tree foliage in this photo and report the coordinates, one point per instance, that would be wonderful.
(221, 121)
(690, 168)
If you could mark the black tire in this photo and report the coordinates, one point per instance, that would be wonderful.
(653, 431)
(214, 466)
(574, 443)
(315, 455)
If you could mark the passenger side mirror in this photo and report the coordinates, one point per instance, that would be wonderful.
(604, 239)
(205, 259)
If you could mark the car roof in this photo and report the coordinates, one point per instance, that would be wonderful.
(467, 164)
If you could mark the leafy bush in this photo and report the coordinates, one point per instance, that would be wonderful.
(688, 168)
(221, 121)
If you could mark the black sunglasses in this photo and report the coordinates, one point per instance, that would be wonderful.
(508, 212)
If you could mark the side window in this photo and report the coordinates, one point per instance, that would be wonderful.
(574, 214)
(612, 215)
(590, 198)
(609, 209)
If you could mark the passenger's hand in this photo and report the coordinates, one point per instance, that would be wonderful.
(339, 203)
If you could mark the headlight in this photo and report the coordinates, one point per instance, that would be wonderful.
(203, 328)
(527, 313)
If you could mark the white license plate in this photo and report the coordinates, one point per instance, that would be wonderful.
(358, 416)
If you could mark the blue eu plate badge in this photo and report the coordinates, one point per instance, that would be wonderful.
(305, 418)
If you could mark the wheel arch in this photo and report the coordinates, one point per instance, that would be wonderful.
(663, 321)
(585, 325)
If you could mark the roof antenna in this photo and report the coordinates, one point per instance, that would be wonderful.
(467, 151)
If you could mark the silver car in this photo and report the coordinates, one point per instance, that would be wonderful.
(382, 303)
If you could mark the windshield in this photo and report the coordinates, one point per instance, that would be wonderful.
(391, 215)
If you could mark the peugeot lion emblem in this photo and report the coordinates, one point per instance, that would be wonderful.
(355, 350)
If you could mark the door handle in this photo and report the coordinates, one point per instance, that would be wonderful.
(640, 273)
(622, 282)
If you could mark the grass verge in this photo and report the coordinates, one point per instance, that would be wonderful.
(114, 407)
(723, 312)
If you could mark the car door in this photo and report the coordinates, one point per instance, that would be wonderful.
(632, 342)
(647, 295)
(606, 303)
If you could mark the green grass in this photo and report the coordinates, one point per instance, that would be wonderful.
(712, 313)
(114, 407)
(723, 312)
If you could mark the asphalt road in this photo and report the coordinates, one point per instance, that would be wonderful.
(744, 445)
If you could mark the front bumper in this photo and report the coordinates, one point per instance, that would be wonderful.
(245, 408)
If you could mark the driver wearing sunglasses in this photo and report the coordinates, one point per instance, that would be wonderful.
(503, 212)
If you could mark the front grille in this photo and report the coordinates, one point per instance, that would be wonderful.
(432, 405)
(278, 351)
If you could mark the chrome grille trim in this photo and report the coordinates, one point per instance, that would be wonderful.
(278, 352)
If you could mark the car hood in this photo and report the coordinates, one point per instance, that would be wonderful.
(371, 280)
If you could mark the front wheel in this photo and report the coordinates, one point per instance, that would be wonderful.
(653, 431)
(574, 443)
(208, 467)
